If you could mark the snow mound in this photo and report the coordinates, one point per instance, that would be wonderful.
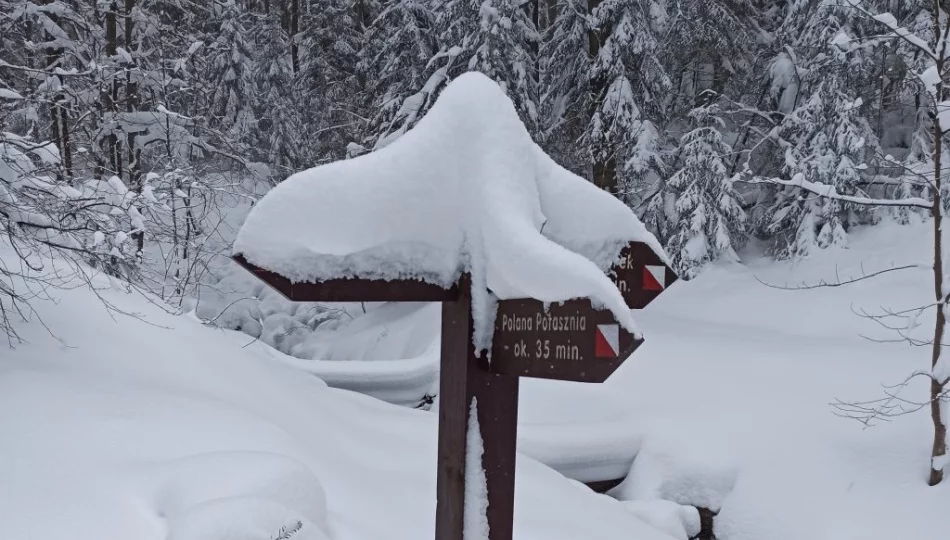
(467, 190)
(670, 468)
(242, 495)
(678, 521)
(156, 427)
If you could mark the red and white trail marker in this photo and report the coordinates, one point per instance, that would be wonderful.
(607, 341)
(641, 275)
(654, 277)
(570, 341)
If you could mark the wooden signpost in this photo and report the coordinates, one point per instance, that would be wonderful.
(567, 341)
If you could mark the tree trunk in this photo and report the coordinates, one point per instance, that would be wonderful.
(605, 164)
(132, 105)
(59, 129)
(940, 428)
(110, 94)
(293, 29)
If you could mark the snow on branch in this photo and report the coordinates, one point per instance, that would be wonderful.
(828, 191)
(838, 282)
(890, 22)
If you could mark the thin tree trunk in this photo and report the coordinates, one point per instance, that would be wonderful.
(59, 129)
(940, 428)
(605, 165)
(66, 149)
(110, 95)
(132, 105)
(293, 30)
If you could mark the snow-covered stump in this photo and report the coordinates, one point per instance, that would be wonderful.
(465, 377)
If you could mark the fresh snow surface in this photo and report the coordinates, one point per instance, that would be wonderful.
(465, 190)
(731, 397)
(159, 427)
(727, 405)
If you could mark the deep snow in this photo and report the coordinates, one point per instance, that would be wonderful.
(728, 403)
(159, 427)
(134, 430)
(731, 395)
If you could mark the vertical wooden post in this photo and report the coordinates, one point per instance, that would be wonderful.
(464, 377)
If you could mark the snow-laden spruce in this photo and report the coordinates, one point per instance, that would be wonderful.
(711, 222)
(465, 191)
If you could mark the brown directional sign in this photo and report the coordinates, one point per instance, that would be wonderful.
(351, 289)
(641, 275)
(569, 341)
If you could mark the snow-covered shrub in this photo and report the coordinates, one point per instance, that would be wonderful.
(43, 216)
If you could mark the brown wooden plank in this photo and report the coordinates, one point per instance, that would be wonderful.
(498, 418)
(453, 414)
(351, 289)
(629, 275)
(465, 377)
(559, 342)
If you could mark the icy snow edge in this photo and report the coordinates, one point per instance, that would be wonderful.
(466, 190)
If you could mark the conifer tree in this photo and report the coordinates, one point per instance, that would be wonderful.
(823, 135)
(397, 58)
(627, 84)
(710, 222)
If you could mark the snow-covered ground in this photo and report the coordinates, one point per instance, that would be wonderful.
(728, 404)
(148, 425)
(119, 428)
(732, 394)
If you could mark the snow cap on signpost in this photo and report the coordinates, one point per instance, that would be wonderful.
(467, 190)
(465, 209)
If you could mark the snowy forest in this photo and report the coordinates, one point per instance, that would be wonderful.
(687, 109)
(782, 163)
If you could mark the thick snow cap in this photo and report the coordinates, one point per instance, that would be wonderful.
(466, 190)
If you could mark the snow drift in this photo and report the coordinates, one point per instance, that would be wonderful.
(155, 427)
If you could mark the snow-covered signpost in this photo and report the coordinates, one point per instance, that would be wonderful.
(537, 271)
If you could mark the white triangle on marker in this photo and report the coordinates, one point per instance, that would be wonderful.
(611, 333)
(658, 273)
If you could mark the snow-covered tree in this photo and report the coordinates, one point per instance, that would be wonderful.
(397, 59)
(565, 101)
(501, 47)
(627, 85)
(823, 135)
(710, 221)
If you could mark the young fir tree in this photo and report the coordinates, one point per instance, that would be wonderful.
(231, 65)
(714, 47)
(501, 47)
(280, 125)
(627, 85)
(824, 136)
(902, 60)
(397, 59)
(495, 37)
(331, 82)
(710, 221)
(563, 84)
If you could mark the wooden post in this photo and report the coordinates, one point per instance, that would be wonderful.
(464, 377)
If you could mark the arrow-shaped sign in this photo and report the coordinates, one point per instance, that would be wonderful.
(641, 275)
(568, 341)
